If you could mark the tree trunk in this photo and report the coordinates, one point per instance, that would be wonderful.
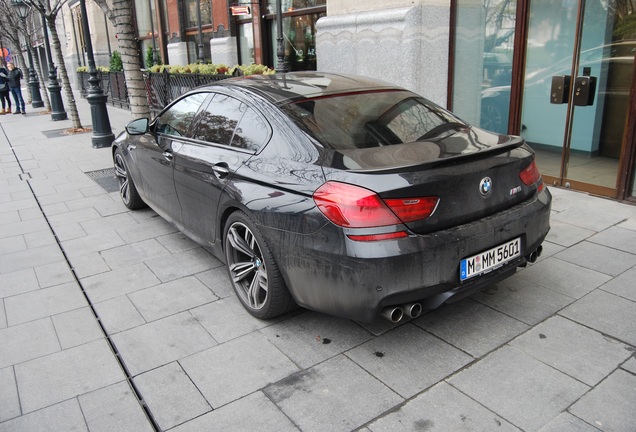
(56, 47)
(121, 15)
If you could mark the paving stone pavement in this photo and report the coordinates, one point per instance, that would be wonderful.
(112, 320)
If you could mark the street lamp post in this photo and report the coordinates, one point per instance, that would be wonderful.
(34, 83)
(200, 53)
(36, 98)
(102, 132)
(152, 30)
(280, 51)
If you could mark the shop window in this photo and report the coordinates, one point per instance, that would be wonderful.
(246, 43)
(289, 5)
(483, 62)
(144, 17)
(299, 40)
(147, 28)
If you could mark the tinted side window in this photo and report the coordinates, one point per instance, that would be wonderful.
(252, 131)
(178, 118)
(218, 121)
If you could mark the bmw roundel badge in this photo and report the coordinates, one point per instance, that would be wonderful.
(485, 186)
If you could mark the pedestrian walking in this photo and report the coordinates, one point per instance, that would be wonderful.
(4, 92)
(13, 77)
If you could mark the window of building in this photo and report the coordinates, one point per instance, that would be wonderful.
(191, 12)
(192, 29)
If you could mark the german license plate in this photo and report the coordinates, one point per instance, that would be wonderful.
(489, 260)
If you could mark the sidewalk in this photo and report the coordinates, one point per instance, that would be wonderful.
(111, 320)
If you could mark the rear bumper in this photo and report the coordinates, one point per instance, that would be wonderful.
(329, 273)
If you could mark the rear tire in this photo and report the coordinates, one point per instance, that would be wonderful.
(127, 190)
(254, 274)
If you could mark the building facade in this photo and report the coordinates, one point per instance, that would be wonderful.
(507, 65)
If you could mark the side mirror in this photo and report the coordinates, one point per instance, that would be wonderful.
(137, 127)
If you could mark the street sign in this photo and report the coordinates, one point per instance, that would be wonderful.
(6, 53)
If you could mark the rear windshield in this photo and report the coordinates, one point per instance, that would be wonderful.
(370, 119)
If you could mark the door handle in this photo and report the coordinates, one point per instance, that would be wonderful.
(221, 169)
(584, 89)
(560, 89)
(168, 156)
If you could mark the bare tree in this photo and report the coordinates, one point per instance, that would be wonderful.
(50, 9)
(120, 14)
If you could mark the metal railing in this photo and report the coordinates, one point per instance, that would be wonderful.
(113, 84)
(161, 88)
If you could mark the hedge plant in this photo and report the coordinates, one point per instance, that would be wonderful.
(194, 68)
(116, 64)
(213, 69)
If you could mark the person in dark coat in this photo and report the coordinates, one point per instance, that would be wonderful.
(14, 76)
(4, 92)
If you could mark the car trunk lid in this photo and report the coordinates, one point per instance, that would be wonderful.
(473, 174)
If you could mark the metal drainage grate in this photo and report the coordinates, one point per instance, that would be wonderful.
(105, 178)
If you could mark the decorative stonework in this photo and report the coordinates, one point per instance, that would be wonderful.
(224, 50)
(178, 53)
(407, 46)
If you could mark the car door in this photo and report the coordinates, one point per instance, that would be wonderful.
(156, 156)
(227, 133)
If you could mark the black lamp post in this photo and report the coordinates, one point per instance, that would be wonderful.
(152, 29)
(102, 132)
(200, 53)
(36, 98)
(280, 51)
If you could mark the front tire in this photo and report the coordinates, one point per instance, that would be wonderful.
(127, 190)
(255, 277)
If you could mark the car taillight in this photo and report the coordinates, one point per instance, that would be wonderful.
(352, 206)
(530, 175)
(412, 209)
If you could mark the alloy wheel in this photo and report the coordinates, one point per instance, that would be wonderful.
(122, 176)
(247, 266)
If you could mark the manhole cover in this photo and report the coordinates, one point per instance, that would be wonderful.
(105, 178)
